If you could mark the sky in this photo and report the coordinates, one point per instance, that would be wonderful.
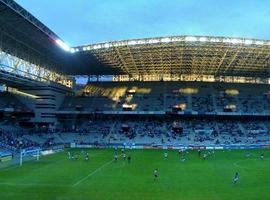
(80, 22)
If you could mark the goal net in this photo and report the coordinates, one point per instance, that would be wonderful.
(29, 154)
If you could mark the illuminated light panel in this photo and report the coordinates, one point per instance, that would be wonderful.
(214, 40)
(177, 39)
(258, 42)
(236, 41)
(140, 42)
(103, 45)
(63, 45)
(107, 45)
(202, 39)
(97, 46)
(153, 41)
(190, 39)
(248, 42)
(166, 40)
(132, 42)
(226, 40)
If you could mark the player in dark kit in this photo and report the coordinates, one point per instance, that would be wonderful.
(236, 178)
(199, 153)
(129, 159)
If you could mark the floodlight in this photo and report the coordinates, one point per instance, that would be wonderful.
(190, 39)
(63, 45)
(177, 39)
(153, 41)
(214, 40)
(72, 50)
(202, 39)
(236, 41)
(106, 45)
(165, 40)
(248, 42)
(132, 42)
(258, 42)
(140, 42)
(226, 40)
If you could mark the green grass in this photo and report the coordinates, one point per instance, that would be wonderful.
(56, 177)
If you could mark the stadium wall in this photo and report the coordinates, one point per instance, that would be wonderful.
(46, 102)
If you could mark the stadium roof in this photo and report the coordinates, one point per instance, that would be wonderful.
(199, 55)
(24, 36)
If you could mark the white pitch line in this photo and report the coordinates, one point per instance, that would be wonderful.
(92, 173)
(33, 184)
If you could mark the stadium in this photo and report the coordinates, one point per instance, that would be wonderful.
(176, 117)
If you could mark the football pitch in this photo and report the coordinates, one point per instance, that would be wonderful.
(100, 178)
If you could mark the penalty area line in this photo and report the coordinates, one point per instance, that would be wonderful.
(92, 173)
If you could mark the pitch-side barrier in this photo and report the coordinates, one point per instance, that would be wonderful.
(162, 146)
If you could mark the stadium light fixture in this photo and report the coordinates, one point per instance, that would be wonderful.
(72, 50)
(132, 42)
(63, 45)
(106, 45)
(140, 42)
(236, 41)
(226, 40)
(96, 46)
(202, 39)
(190, 39)
(177, 39)
(214, 40)
(166, 40)
(115, 44)
(258, 42)
(153, 41)
(248, 42)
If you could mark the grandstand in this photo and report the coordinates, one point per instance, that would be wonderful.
(166, 92)
(193, 81)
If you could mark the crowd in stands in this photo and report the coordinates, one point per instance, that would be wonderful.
(8, 101)
(156, 96)
(161, 96)
(187, 131)
(157, 131)
(13, 139)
